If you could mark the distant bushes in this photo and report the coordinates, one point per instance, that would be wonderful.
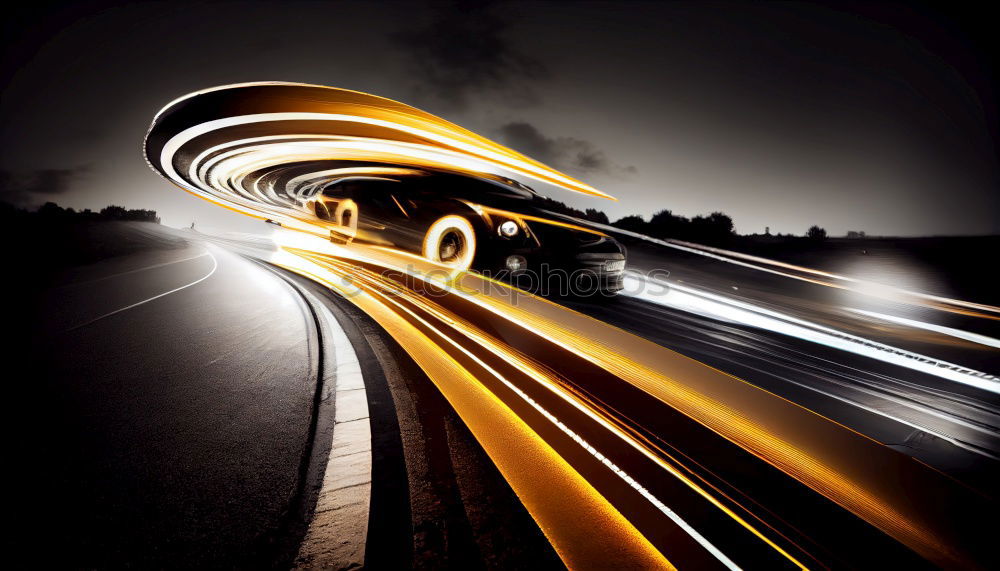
(52, 211)
(716, 228)
(136, 215)
(632, 223)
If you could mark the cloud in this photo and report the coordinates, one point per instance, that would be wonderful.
(55, 181)
(575, 156)
(463, 52)
(27, 188)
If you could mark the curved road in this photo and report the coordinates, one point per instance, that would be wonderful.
(190, 407)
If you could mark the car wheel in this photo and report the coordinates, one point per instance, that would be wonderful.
(451, 241)
(346, 216)
(321, 211)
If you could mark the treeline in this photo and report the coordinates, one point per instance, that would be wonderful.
(52, 211)
(715, 229)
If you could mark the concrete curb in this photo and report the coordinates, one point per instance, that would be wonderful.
(337, 534)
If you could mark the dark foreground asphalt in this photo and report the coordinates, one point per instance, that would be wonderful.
(162, 415)
(168, 433)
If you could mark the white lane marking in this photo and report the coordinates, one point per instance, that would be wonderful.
(950, 331)
(719, 307)
(154, 266)
(215, 266)
(338, 532)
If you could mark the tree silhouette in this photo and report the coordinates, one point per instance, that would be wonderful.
(114, 212)
(816, 233)
(633, 223)
(664, 224)
(595, 215)
(50, 209)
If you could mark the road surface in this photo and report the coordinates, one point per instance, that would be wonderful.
(167, 415)
(184, 411)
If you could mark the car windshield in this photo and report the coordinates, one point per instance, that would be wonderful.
(352, 186)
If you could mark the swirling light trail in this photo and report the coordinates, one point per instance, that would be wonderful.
(592, 426)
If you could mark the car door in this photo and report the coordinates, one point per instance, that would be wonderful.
(382, 218)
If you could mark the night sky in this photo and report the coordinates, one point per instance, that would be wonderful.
(880, 118)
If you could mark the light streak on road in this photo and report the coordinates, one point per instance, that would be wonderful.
(553, 384)
(735, 311)
(823, 278)
(863, 287)
(589, 424)
(950, 331)
(529, 464)
(640, 363)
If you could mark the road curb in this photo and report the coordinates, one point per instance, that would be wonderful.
(337, 495)
(337, 534)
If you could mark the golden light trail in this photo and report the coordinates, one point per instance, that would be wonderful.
(528, 463)
(577, 458)
(552, 383)
(883, 291)
(359, 126)
(797, 441)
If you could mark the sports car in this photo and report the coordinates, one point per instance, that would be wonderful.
(493, 225)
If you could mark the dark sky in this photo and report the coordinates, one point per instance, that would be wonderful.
(878, 117)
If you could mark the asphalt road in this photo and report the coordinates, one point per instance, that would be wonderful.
(905, 409)
(169, 414)
(949, 425)
(173, 387)
(437, 500)
(166, 417)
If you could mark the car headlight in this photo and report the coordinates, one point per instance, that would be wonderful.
(516, 263)
(509, 229)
